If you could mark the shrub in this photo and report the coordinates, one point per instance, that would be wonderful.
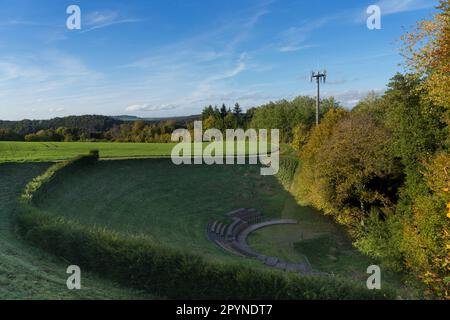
(287, 169)
(39, 185)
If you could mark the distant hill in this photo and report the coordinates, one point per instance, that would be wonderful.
(86, 123)
(177, 119)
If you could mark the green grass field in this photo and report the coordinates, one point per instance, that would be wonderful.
(53, 151)
(12, 151)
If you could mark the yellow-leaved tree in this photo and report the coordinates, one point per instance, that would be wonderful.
(427, 237)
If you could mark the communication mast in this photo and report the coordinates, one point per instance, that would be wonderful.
(319, 76)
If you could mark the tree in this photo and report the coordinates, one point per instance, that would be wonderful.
(230, 121)
(372, 103)
(66, 134)
(308, 185)
(237, 111)
(416, 123)
(353, 170)
(207, 112)
(223, 111)
(427, 230)
(9, 135)
(427, 53)
(138, 125)
(299, 136)
(209, 122)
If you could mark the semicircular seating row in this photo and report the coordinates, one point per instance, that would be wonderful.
(232, 237)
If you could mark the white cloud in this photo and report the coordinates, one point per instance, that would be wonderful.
(292, 38)
(44, 71)
(289, 48)
(390, 7)
(397, 6)
(148, 107)
(350, 98)
(336, 81)
(240, 67)
(56, 110)
(102, 19)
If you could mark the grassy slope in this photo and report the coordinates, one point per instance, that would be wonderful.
(28, 273)
(174, 203)
(171, 203)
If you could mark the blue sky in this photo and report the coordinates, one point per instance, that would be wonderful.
(164, 58)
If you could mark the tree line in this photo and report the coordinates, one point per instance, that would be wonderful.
(383, 168)
(90, 128)
(293, 118)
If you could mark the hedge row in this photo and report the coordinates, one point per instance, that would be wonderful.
(287, 169)
(139, 262)
(38, 187)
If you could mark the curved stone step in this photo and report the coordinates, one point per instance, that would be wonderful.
(232, 228)
(233, 238)
(222, 230)
(213, 226)
(218, 227)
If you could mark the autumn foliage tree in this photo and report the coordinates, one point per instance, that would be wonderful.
(383, 169)
(427, 53)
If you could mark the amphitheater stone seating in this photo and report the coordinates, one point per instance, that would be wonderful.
(236, 213)
(233, 236)
(271, 261)
(213, 226)
(281, 265)
(262, 257)
(232, 227)
(218, 227)
(222, 230)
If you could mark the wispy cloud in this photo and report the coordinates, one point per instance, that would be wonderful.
(337, 81)
(391, 7)
(204, 65)
(292, 39)
(240, 67)
(13, 22)
(350, 98)
(148, 107)
(290, 48)
(397, 6)
(56, 110)
(102, 19)
(37, 78)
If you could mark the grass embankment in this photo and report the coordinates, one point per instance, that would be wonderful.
(29, 273)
